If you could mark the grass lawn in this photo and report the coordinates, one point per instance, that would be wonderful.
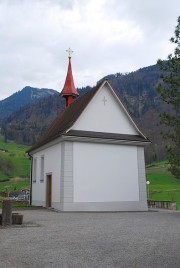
(13, 185)
(19, 177)
(18, 205)
(163, 186)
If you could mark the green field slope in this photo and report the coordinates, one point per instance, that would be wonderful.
(163, 186)
(14, 166)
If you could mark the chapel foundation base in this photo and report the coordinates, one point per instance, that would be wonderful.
(106, 206)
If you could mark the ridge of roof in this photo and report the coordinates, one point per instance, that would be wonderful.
(66, 118)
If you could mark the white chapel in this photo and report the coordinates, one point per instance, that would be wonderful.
(91, 158)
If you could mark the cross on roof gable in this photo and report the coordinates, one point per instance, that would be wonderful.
(124, 108)
(68, 116)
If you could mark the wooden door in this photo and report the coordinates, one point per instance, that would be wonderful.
(49, 191)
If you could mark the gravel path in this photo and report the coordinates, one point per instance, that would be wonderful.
(80, 240)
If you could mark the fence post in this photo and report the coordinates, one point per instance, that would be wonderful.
(6, 212)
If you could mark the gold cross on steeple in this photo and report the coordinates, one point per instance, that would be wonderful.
(69, 51)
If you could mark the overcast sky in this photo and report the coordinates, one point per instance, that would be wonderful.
(107, 36)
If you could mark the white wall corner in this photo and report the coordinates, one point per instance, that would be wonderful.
(141, 174)
(66, 192)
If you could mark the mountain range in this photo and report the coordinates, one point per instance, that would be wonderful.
(27, 95)
(27, 113)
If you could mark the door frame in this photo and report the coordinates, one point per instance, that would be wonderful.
(49, 190)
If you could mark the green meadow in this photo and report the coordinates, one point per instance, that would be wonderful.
(15, 175)
(163, 186)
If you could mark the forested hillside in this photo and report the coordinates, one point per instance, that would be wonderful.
(27, 95)
(136, 89)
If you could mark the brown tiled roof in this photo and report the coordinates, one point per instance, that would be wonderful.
(68, 116)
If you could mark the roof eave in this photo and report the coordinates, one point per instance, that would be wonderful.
(106, 140)
(46, 145)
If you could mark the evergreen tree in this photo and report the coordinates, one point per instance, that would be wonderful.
(169, 89)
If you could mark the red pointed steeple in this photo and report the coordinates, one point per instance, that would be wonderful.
(69, 91)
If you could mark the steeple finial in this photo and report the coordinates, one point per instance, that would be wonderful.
(70, 52)
(69, 91)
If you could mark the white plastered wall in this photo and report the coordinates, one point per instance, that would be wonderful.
(112, 178)
(52, 165)
(105, 116)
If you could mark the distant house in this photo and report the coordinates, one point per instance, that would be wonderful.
(91, 158)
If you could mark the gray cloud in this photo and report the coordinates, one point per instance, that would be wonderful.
(106, 36)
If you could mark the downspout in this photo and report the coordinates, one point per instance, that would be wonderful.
(30, 197)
